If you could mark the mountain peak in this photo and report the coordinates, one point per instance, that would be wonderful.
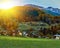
(56, 10)
(34, 6)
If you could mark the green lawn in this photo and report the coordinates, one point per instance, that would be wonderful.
(17, 42)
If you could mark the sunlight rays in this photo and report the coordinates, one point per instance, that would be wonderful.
(6, 5)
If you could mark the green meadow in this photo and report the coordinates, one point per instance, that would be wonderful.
(19, 42)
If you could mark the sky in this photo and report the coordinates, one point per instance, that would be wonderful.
(44, 3)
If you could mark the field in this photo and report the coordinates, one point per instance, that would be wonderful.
(18, 42)
(34, 25)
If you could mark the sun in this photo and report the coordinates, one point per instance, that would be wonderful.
(6, 5)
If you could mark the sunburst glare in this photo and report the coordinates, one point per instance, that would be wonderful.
(6, 5)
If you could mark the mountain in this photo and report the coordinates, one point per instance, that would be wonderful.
(27, 13)
(40, 7)
(30, 12)
(53, 11)
(48, 10)
(56, 10)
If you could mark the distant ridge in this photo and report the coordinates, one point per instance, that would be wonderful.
(34, 6)
(48, 10)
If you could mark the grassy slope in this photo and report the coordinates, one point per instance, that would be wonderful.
(17, 42)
